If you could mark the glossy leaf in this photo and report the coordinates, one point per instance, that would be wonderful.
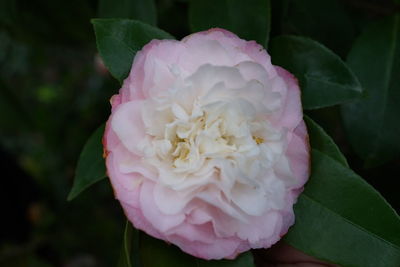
(343, 220)
(372, 123)
(324, 78)
(143, 10)
(248, 19)
(321, 141)
(172, 256)
(118, 40)
(91, 167)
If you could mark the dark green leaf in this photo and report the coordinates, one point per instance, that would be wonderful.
(118, 40)
(8, 11)
(321, 141)
(324, 78)
(13, 118)
(143, 10)
(171, 256)
(130, 247)
(91, 167)
(343, 220)
(372, 123)
(125, 258)
(325, 21)
(248, 19)
(44, 22)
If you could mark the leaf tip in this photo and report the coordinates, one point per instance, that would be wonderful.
(72, 195)
(94, 20)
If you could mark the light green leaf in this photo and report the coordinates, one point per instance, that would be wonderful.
(250, 20)
(91, 167)
(372, 123)
(118, 40)
(143, 10)
(325, 80)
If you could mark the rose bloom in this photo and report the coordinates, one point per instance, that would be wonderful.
(206, 147)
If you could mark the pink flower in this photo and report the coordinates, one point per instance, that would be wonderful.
(206, 147)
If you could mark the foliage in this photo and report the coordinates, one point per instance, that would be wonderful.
(54, 93)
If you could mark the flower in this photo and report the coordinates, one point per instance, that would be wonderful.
(206, 146)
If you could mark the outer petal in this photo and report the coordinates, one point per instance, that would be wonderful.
(299, 153)
(288, 86)
(161, 221)
(153, 66)
(221, 248)
(128, 125)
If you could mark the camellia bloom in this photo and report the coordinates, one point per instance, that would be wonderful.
(206, 147)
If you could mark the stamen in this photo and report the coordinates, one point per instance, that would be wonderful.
(258, 140)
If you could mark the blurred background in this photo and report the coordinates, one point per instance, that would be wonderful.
(54, 93)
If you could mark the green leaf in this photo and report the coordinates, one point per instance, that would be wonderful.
(372, 123)
(325, 21)
(172, 256)
(322, 142)
(343, 220)
(118, 40)
(248, 19)
(325, 80)
(143, 10)
(91, 167)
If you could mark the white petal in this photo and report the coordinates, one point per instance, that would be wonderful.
(128, 125)
(251, 200)
(170, 201)
(179, 112)
(161, 221)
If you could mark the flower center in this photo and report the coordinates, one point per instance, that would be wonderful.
(197, 139)
(181, 149)
(212, 129)
(258, 140)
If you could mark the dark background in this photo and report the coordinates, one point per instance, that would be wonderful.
(54, 93)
